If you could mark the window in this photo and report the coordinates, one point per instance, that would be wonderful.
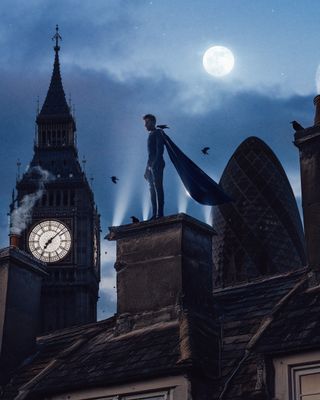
(297, 376)
(165, 388)
(305, 382)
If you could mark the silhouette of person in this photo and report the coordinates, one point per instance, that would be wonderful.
(155, 165)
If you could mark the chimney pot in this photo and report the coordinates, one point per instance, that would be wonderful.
(14, 239)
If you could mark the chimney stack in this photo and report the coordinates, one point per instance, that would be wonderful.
(20, 289)
(308, 142)
(163, 263)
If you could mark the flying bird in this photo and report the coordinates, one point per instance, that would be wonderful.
(296, 126)
(163, 126)
(114, 179)
(134, 219)
(205, 150)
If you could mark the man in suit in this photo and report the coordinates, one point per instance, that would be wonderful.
(155, 165)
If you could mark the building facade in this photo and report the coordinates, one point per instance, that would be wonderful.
(260, 232)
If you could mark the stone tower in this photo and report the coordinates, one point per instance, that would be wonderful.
(63, 228)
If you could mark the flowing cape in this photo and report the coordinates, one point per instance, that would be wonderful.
(199, 185)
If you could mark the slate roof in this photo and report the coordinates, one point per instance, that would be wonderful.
(254, 319)
(296, 327)
(245, 312)
(94, 354)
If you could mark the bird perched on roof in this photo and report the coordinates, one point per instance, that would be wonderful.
(296, 126)
(163, 127)
(134, 219)
(205, 150)
(114, 179)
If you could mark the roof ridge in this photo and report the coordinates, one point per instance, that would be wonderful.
(154, 327)
(259, 280)
(76, 330)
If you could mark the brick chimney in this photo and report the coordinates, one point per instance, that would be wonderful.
(162, 263)
(20, 288)
(308, 142)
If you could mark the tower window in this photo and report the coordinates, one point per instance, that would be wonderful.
(44, 200)
(58, 198)
(72, 198)
(51, 198)
(59, 138)
(54, 138)
(65, 197)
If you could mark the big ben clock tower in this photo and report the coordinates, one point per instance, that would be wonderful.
(63, 229)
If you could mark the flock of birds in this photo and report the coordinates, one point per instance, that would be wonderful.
(205, 150)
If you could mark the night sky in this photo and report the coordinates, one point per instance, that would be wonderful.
(123, 59)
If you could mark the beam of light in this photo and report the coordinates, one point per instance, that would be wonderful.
(207, 214)
(295, 182)
(123, 198)
(146, 203)
(183, 198)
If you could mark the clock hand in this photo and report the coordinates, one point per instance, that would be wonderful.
(51, 239)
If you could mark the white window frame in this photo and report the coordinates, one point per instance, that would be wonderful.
(172, 388)
(289, 369)
(165, 395)
(296, 372)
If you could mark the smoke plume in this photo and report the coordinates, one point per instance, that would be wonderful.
(21, 216)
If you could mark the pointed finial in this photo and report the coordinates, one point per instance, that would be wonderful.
(38, 105)
(57, 37)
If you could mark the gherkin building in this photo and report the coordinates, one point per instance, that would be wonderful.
(260, 233)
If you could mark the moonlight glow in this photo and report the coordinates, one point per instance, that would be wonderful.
(218, 61)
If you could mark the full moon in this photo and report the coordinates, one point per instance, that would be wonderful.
(218, 61)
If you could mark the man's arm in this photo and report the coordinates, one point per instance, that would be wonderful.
(158, 149)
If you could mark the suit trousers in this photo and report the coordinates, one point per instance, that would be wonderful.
(155, 179)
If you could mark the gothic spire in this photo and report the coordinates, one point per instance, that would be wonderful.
(55, 103)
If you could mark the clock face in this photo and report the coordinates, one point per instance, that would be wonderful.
(50, 241)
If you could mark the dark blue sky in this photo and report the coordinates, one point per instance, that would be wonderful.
(123, 59)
